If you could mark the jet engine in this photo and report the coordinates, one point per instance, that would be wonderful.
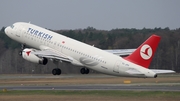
(28, 55)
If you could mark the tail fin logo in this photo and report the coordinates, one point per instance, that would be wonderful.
(146, 52)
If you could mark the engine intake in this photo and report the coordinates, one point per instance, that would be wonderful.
(44, 61)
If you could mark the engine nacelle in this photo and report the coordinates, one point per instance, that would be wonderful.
(29, 56)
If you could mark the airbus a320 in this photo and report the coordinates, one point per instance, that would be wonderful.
(47, 45)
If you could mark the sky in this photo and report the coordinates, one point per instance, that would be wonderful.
(100, 14)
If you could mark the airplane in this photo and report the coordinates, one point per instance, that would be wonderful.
(49, 45)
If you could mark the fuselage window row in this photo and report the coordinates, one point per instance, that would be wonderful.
(96, 59)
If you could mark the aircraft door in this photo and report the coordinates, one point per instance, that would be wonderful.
(21, 36)
(18, 32)
(116, 66)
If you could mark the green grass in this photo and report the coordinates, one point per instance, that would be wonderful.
(95, 93)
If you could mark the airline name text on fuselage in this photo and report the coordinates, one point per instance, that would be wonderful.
(39, 33)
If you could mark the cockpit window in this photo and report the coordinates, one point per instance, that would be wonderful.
(12, 26)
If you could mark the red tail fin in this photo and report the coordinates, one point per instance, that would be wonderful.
(144, 53)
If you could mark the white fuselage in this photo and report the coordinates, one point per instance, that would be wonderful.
(97, 59)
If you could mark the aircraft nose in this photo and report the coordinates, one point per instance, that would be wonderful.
(6, 30)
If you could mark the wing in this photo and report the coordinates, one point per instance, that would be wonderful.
(50, 54)
(56, 55)
(121, 52)
(159, 71)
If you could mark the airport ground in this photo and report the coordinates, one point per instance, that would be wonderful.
(87, 95)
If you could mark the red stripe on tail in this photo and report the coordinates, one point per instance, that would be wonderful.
(144, 53)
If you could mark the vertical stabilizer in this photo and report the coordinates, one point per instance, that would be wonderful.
(144, 53)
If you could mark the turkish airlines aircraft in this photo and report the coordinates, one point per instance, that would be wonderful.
(53, 46)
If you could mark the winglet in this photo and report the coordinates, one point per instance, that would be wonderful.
(143, 54)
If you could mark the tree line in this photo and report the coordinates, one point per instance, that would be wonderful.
(167, 55)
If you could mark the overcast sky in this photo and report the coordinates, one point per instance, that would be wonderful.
(100, 14)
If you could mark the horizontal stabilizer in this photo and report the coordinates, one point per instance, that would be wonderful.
(158, 71)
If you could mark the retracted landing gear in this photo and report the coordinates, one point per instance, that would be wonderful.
(84, 71)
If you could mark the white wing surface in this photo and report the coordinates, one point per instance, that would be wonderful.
(159, 71)
(121, 52)
(52, 55)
